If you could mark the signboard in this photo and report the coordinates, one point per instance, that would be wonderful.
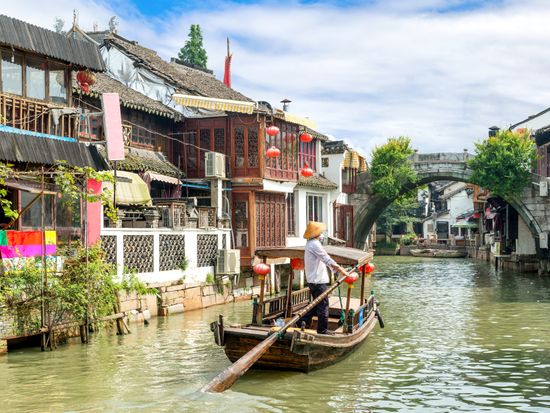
(112, 124)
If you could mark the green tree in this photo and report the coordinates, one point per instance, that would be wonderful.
(193, 51)
(503, 163)
(402, 210)
(390, 167)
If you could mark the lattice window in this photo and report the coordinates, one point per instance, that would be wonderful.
(204, 135)
(252, 147)
(290, 215)
(207, 246)
(108, 245)
(172, 252)
(219, 140)
(239, 147)
(240, 212)
(270, 220)
(138, 252)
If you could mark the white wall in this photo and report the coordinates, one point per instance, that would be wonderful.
(525, 244)
(193, 274)
(334, 169)
(300, 199)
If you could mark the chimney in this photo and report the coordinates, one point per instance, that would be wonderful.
(285, 103)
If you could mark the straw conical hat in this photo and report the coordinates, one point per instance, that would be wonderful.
(314, 229)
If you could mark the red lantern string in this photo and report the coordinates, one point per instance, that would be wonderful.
(297, 264)
(306, 137)
(306, 171)
(261, 269)
(272, 130)
(273, 152)
(351, 278)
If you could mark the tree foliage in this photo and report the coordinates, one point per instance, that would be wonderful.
(402, 210)
(390, 167)
(193, 52)
(503, 163)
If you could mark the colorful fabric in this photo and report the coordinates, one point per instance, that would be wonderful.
(3, 237)
(25, 251)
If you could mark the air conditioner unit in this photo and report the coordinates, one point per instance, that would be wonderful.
(229, 262)
(215, 165)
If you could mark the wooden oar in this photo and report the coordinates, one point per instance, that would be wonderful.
(230, 375)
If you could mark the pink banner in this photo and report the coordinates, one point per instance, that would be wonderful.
(26, 251)
(93, 217)
(112, 125)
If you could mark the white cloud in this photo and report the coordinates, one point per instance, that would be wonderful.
(365, 72)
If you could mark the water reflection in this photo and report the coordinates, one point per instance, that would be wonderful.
(458, 337)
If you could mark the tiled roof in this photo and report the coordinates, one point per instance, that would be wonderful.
(188, 80)
(17, 145)
(316, 181)
(334, 147)
(26, 36)
(141, 160)
(129, 97)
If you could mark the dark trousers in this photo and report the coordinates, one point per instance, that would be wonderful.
(321, 310)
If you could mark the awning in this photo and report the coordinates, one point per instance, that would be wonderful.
(353, 160)
(464, 225)
(152, 176)
(130, 189)
(215, 104)
(298, 120)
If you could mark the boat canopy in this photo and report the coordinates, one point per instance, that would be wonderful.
(342, 255)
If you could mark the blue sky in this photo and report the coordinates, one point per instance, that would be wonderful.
(439, 71)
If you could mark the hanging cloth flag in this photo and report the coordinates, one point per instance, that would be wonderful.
(227, 67)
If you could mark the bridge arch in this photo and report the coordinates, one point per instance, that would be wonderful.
(429, 168)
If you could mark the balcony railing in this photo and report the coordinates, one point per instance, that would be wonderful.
(35, 116)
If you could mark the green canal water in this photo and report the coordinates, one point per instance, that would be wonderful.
(458, 337)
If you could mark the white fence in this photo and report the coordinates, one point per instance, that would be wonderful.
(159, 255)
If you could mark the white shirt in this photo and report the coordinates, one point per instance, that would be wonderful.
(316, 260)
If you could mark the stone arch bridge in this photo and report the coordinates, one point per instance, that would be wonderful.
(531, 207)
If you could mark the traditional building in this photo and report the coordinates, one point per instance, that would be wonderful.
(39, 121)
(342, 164)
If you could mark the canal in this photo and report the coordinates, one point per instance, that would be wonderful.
(458, 337)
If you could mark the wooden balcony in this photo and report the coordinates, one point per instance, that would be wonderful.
(35, 115)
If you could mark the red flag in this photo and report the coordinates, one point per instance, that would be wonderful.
(227, 71)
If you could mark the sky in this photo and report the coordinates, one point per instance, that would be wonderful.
(439, 71)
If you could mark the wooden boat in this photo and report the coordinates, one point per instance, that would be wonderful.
(303, 349)
(436, 253)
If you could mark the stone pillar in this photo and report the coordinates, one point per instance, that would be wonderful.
(151, 218)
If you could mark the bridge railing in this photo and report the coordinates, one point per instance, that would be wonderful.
(441, 157)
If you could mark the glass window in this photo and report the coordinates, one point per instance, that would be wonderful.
(314, 208)
(36, 79)
(12, 73)
(32, 217)
(57, 85)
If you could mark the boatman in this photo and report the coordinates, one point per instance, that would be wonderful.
(316, 261)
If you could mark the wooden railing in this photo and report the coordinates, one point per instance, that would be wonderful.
(33, 115)
(275, 307)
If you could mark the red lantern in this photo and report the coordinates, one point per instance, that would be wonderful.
(351, 278)
(368, 268)
(261, 269)
(297, 264)
(272, 130)
(306, 137)
(306, 171)
(85, 79)
(273, 152)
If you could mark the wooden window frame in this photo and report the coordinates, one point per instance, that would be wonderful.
(24, 57)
